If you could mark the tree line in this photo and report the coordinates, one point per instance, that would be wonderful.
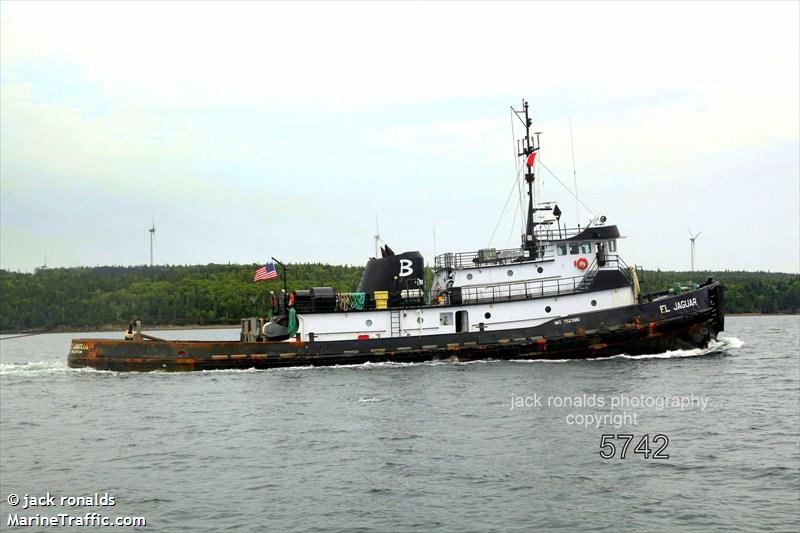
(745, 292)
(85, 297)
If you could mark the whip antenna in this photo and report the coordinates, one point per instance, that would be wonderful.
(574, 174)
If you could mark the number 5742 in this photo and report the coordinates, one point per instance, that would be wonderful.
(608, 449)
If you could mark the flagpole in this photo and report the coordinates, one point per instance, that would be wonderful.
(284, 274)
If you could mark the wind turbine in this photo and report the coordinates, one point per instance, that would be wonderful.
(691, 239)
(377, 237)
(152, 231)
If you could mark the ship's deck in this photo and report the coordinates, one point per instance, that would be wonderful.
(495, 292)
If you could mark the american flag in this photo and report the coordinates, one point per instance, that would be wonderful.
(265, 272)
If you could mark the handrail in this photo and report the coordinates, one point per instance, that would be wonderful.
(548, 233)
(489, 256)
(520, 290)
(545, 234)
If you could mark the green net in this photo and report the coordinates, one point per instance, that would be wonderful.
(346, 301)
(357, 300)
(292, 322)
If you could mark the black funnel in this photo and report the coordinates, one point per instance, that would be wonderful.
(380, 274)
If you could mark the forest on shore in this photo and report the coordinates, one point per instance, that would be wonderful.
(89, 297)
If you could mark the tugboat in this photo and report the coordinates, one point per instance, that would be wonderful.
(564, 293)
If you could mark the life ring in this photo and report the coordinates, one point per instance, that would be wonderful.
(582, 263)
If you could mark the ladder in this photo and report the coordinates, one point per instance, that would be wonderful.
(587, 280)
(394, 318)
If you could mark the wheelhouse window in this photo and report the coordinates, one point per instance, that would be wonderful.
(612, 246)
(574, 249)
(586, 247)
(562, 248)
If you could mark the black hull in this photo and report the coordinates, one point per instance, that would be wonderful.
(684, 321)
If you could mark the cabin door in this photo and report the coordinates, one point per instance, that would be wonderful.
(601, 254)
(462, 322)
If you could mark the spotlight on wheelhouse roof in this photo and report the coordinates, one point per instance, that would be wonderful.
(603, 219)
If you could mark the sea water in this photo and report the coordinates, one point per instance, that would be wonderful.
(439, 446)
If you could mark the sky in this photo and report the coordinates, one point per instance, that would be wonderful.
(250, 130)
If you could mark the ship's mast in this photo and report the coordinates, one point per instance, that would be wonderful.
(527, 148)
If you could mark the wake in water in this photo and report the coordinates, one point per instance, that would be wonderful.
(43, 368)
(721, 345)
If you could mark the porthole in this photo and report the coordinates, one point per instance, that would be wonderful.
(510, 273)
(487, 315)
(540, 270)
(469, 276)
(368, 323)
(420, 320)
(594, 303)
(547, 309)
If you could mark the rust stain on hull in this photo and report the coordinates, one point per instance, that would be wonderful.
(183, 356)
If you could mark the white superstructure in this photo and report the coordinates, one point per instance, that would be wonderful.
(495, 290)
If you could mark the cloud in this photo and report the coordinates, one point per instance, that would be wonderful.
(246, 116)
(361, 54)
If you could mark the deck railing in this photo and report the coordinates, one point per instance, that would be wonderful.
(488, 256)
(547, 232)
(544, 233)
(521, 290)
